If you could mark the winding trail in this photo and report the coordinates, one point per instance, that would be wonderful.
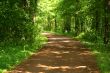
(60, 55)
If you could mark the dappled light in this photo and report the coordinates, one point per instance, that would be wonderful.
(59, 57)
(58, 39)
(45, 33)
(63, 52)
(62, 68)
(61, 41)
(85, 53)
(41, 72)
(55, 36)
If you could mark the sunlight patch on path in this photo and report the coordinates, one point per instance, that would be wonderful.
(46, 67)
(60, 55)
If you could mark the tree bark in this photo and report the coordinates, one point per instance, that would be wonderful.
(106, 25)
(55, 23)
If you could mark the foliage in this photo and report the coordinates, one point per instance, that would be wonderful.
(102, 55)
(10, 56)
(19, 33)
(89, 36)
(21, 22)
(16, 22)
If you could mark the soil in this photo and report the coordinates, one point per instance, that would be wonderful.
(61, 54)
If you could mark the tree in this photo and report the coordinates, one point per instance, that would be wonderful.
(106, 24)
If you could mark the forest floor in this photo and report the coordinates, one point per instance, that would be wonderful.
(61, 54)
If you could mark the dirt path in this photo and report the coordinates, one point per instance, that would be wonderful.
(60, 55)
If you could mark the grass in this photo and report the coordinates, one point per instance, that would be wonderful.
(102, 55)
(10, 56)
(97, 47)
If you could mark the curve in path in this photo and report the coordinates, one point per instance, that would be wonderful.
(60, 55)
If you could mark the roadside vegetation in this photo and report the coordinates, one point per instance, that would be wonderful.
(23, 21)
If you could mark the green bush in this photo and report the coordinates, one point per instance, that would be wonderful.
(10, 56)
(19, 35)
(89, 37)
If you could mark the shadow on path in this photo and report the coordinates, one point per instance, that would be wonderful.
(60, 55)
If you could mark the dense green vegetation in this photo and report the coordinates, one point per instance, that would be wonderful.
(19, 33)
(86, 20)
(21, 22)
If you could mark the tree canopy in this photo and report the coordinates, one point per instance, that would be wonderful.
(22, 21)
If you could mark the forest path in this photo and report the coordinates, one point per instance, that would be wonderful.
(60, 55)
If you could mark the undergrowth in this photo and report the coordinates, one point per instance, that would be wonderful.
(95, 44)
(102, 53)
(12, 55)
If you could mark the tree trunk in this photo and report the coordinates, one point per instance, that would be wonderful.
(67, 23)
(55, 24)
(76, 25)
(49, 23)
(106, 25)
